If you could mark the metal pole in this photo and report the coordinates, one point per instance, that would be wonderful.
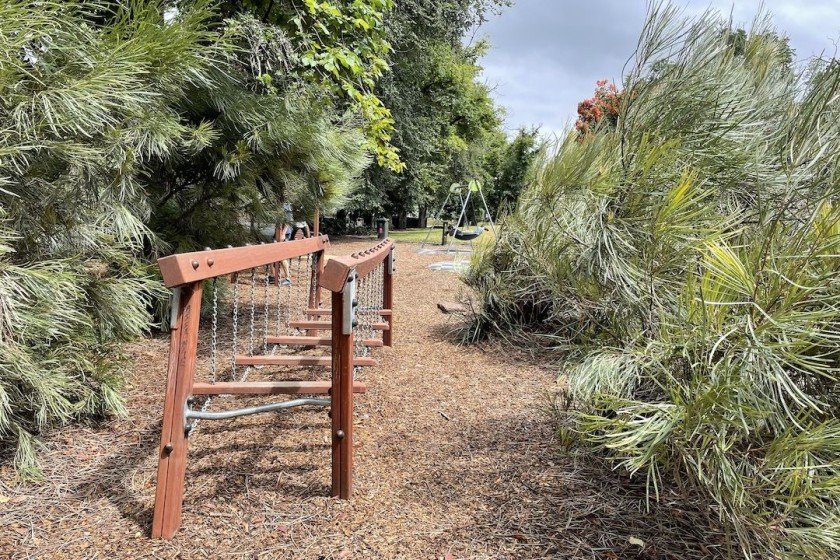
(271, 407)
(461, 217)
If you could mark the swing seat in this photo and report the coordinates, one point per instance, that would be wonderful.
(466, 235)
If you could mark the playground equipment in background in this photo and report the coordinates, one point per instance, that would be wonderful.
(457, 232)
(360, 308)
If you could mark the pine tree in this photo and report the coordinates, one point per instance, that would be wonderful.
(684, 257)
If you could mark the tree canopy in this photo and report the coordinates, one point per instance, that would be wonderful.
(446, 123)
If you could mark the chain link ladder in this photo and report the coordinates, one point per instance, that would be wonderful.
(265, 312)
(311, 300)
(253, 311)
(279, 267)
(235, 326)
(294, 269)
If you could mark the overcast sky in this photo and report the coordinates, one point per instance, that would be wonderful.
(547, 54)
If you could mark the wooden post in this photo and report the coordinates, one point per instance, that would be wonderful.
(172, 454)
(341, 394)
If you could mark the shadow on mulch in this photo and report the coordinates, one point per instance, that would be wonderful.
(544, 502)
(229, 443)
(111, 478)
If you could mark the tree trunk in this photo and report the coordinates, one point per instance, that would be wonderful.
(422, 216)
(402, 217)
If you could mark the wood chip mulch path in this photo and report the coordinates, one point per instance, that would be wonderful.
(455, 458)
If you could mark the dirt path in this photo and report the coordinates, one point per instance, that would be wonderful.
(454, 459)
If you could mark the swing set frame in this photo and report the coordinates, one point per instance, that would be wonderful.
(185, 274)
(473, 186)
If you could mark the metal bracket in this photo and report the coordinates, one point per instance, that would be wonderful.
(175, 304)
(351, 304)
(392, 260)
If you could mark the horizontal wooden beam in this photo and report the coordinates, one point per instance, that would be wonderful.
(313, 341)
(327, 325)
(328, 312)
(269, 388)
(297, 361)
(185, 268)
(338, 269)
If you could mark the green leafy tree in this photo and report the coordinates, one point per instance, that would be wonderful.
(509, 169)
(340, 47)
(267, 137)
(445, 121)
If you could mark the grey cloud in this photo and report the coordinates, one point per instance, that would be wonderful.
(547, 54)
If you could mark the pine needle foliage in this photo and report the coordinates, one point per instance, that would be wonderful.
(686, 263)
(82, 107)
(127, 129)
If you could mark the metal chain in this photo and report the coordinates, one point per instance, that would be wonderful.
(265, 313)
(279, 294)
(289, 297)
(235, 325)
(214, 333)
(253, 310)
(313, 265)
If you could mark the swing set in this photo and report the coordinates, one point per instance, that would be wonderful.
(270, 325)
(457, 232)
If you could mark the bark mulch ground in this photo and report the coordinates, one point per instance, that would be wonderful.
(455, 458)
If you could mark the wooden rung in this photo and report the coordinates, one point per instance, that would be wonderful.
(327, 325)
(269, 388)
(312, 341)
(311, 325)
(319, 312)
(296, 361)
(328, 312)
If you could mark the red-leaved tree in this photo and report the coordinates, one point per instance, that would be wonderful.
(600, 109)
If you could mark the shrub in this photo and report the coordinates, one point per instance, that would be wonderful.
(686, 262)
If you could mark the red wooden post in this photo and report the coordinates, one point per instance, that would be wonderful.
(172, 461)
(341, 395)
(388, 298)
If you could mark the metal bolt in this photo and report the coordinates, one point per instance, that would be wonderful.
(195, 264)
(211, 262)
(339, 434)
(207, 249)
(168, 448)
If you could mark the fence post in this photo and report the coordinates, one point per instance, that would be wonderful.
(388, 297)
(341, 394)
(172, 454)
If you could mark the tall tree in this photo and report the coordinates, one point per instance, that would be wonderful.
(509, 168)
(444, 119)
